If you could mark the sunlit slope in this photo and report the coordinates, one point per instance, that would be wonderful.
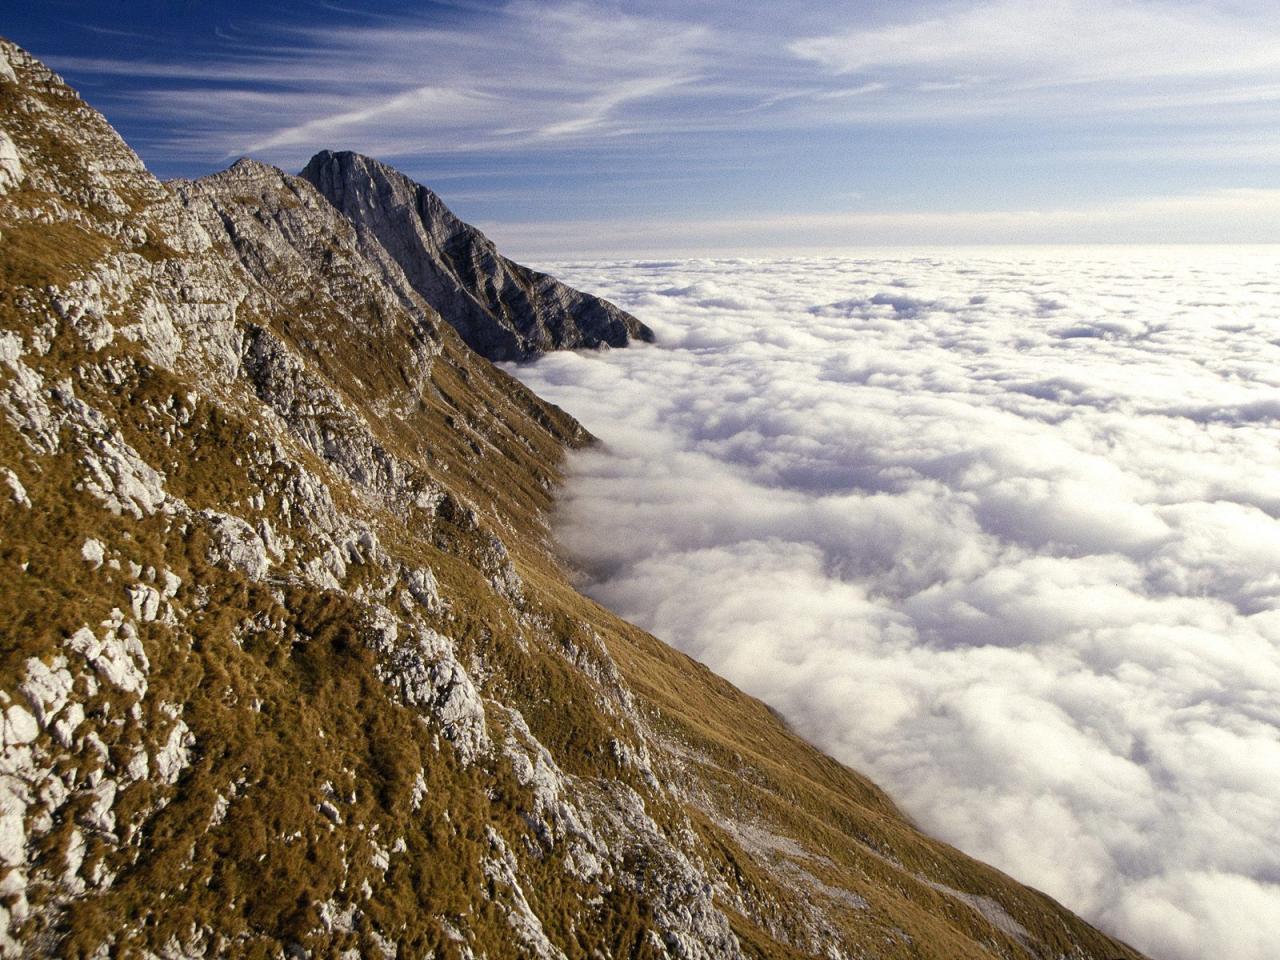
(289, 665)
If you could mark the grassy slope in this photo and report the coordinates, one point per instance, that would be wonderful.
(281, 692)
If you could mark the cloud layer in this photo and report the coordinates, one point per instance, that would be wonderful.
(1000, 530)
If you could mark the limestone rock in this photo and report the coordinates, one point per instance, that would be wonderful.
(17, 491)
(20, 726)
(118, 657)
(172, 757)
(10, 164)
(93, 552)
(144, 601)
(423, 588)
(13, 838)
(6, 69)
(424, 669)
(47, 688)
(235, 544)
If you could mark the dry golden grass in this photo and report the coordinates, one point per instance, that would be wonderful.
(280, 689)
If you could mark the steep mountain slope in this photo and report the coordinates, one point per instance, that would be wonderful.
(503, 310)
(288, 666)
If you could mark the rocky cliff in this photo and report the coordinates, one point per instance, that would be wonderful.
(288, 665)
(502, 310)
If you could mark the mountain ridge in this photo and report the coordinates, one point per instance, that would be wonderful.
(503, 310)
(290, 668)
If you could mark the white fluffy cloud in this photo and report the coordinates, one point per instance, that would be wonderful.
(1001, 530)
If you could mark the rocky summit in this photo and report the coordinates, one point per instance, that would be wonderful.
(289, 667)
(502, 310)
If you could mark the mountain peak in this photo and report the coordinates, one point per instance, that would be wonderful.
(248, 165)
(503, 310)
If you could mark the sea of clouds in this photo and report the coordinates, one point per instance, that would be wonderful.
(999, 529)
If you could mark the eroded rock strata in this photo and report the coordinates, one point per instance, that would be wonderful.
(288, 667)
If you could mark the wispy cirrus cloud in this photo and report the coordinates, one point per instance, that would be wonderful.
(428, 106)
(917, 106)
(531, 74)
(1055, 42)
(553, 72)
(1088, 59)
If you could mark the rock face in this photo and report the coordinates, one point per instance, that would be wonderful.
(502, 310)
(289, 667)
(10, 164)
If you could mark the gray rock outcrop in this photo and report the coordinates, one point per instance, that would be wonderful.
(503, 310)
(10, 164)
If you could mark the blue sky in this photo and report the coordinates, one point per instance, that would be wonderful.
(719, 127)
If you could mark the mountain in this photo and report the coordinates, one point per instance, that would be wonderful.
(289, 666)
(502, 310)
